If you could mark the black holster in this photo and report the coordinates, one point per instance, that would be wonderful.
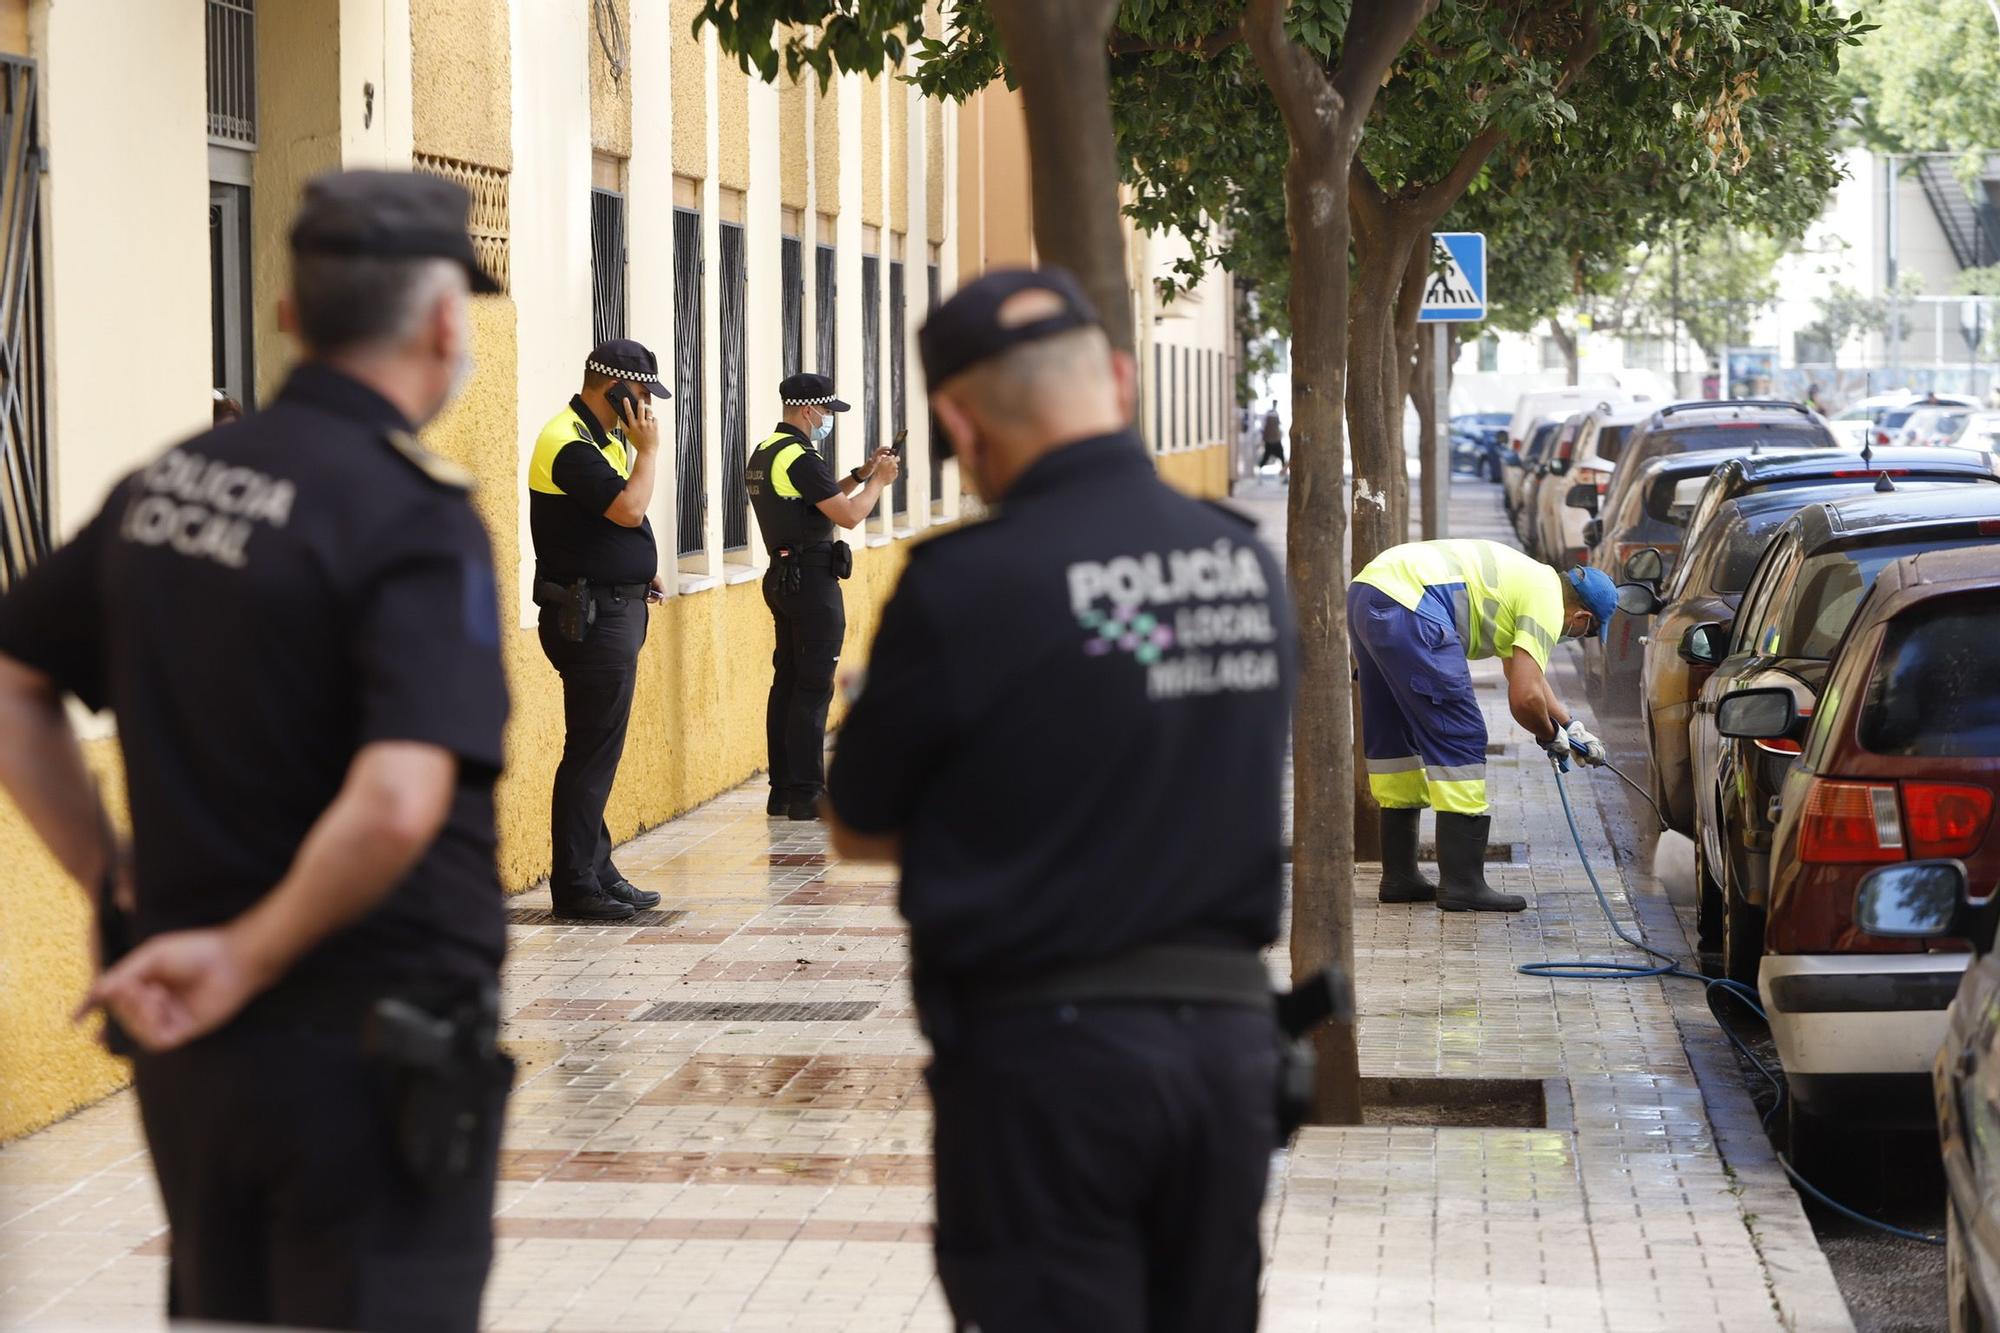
(840, 559)
(575, 608)
(446, 1077)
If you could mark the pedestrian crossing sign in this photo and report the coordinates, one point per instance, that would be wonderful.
(1455, 286)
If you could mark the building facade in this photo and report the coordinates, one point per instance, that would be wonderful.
(628, 180)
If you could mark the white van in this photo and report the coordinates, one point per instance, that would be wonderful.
(1540, 403)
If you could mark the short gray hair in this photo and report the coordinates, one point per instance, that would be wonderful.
(348, 301)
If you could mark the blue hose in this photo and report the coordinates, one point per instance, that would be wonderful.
(1670, 966)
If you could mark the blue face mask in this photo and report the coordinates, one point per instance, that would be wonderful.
(823, 429)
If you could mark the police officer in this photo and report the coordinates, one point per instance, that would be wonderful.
(1416, 614)
(292, 618)
(798, 505)
(1071, 740)
(596, 571)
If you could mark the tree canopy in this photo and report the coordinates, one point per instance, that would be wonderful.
(1929, 76)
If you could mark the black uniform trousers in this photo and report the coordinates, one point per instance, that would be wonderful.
(598, 678)
(287, 1203)
(810, 624)
(1100, 1167)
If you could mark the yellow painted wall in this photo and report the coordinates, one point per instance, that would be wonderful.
(732, 124)
(899, 154)
(934, 181)
(689, 73)
(1202, 473)
(871, 152)
(826, 148)
(298, 136)
(793, 164)
(611, 98)
(971, 186)
(462, 76)
(14, 27)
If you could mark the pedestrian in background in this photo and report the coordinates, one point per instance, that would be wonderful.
(1274, 442)
(1071, 740)
(292, 618)
(590, 480)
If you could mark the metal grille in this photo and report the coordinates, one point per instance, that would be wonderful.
(229, 307)
(1187, 396)
(232, 72)
(792, 274)
(735, 418)
(757, 1011)
(1159, 400)
(24, 427)
(487, 222)
(542, 916)
(826, 310)
(607, 264)
(688, 451)
(899, 417)
(940, 447)
(871, 355)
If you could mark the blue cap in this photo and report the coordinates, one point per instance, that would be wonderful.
(1598, 594)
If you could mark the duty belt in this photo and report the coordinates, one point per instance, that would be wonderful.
(629, 591)
(818, 555)
(1161, 973)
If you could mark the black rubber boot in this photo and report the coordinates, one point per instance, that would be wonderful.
(1401, 882)
(598, 906)
(1462, 883)
(775, 803)
(625, 891)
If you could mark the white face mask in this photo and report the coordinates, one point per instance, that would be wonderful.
(823, 429)
(461, 370)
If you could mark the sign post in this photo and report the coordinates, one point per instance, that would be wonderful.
(1455, 292)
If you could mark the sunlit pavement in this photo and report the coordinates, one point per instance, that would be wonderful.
(721, 1125)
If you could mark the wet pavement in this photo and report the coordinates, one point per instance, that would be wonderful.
(720, 1122)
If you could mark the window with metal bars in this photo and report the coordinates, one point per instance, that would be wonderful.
(826, 311)
(899, 419)
(791, 266)
(24, 426)
(871, 355)
(232, 73)
(1187, 397)
(229, 308)
(733, 281)
(689, 452)
(607, 264)
(940, 447)
(1159, 400)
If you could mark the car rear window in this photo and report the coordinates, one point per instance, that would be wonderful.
(1895, 417)
(1660, 495)
(1826, 595)
(1747, 435)
(1932, 693)
(1539, 441)
(1611, 442)
(1742, 543)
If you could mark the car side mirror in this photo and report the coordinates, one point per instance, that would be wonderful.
(1647, 566)
(1916, 900)
(1582, 496)
(1758, 715)
(1638, 599)
(1705, 644)
(1593, 531)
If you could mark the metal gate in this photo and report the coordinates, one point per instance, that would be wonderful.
(732, 282)
(899, 419)
(792, 275)
(24, 435)
(826, 321)
(688, 452)
(607, 264)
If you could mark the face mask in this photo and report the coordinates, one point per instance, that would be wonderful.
(462, 368)
(822, 430)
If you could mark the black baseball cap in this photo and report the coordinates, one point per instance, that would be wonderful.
(969, 329)
(810, 390)
(624, 359)
(389, 215)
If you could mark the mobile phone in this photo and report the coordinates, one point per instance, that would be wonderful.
(896, 445)
(623, 401)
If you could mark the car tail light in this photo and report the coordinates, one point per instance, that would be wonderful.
(1850, 821)
(1945, 819)
(1598, 477)
(1873, 472)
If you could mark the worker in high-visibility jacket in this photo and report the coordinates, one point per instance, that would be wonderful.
(1416, 615)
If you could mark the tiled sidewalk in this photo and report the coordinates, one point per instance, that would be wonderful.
(720, 1121)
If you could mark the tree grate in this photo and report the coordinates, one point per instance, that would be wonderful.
(770, 1011)
(542, 916)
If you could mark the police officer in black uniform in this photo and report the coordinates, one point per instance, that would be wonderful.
(1071, 739)
(798, 504)
(293, 619)
(596, 571)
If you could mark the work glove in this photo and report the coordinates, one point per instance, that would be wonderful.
(1587, 747)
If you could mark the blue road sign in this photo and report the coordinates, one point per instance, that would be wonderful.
(1455, 288)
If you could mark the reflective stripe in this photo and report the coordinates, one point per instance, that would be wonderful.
(781, 470)
(1533, 629)
(1398, 791)
(1489, 627)
(1455, 772)
(1407, 764)
(1459, 798)
(564, 429)
(1461, 614)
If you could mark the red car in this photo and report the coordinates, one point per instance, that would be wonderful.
(1901, 762)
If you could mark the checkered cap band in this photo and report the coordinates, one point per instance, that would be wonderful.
(809, 402)
(620, 373)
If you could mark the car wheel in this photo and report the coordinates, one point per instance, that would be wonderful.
(1742, 938)
(1708, 911)
(1961, 1308)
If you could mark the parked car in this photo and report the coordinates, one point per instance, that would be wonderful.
(1539, 405)
(1518, 467)
(1851, 425)
(1557, 454)
(1889, 425)
(1902, 763)
(1926, 900)
(1745, 426)
(1477, 439)
(1982, 431)
(1806, 589)
(1599, 438)
(1933, 426)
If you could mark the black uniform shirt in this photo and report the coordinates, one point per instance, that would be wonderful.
(572, 480)
(787, 503)
(254, 607)
(1076, 715)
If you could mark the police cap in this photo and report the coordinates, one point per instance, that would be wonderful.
(389, 215)
(974, 326)
(633, 362)
(809, 390)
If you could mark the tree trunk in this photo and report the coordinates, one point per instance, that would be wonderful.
(1055, 49)
(1568, 342)
(1323, 119)
(1423, 397)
